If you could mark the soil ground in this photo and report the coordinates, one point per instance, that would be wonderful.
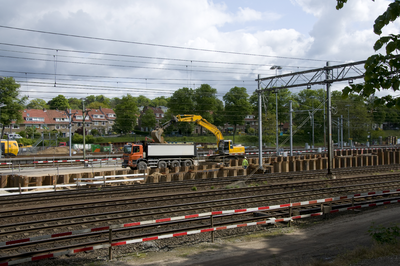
(320, 240)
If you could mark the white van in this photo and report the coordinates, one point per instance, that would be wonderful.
(14, 136)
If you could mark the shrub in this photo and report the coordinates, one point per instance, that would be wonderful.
(384, 235)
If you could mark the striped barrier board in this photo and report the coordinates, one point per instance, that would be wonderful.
(205, 214)
(87, 160)
(192, 232)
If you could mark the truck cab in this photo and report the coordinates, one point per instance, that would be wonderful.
(132, 153)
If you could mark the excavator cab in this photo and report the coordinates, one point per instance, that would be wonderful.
(224, 147)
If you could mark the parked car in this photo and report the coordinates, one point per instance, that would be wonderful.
(14, 136)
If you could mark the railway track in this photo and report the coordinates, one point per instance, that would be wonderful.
(85, 194)
(33, 221)
(36, 215)
(81, 241)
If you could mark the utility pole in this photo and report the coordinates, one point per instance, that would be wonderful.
(341, 131)
(260, 157)
(312, 124)
(277, 129)
(291, 127)
(276, 103)
(70, 126)
(348, 126)
(328, 95)
(84, 131)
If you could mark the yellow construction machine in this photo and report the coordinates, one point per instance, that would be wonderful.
(225, 147)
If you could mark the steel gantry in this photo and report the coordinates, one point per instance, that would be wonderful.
(320, 76)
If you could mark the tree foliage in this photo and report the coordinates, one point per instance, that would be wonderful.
(75, 103)
(205, 101)
(381, 70)
(148, 118)
(237, 106)
(37, 104)
(127, 113)
(59, 102)
(12, 111)
(159, 101)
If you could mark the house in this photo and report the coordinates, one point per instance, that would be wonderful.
(47, 120)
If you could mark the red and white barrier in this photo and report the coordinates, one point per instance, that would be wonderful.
(205, 214)
(86, 160)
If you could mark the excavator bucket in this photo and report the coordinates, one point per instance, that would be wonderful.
(156, 135)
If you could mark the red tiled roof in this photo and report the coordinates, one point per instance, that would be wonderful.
(36, 113)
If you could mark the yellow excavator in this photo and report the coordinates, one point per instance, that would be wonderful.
(225, 147)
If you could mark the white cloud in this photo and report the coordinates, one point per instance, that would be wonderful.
(344, 35)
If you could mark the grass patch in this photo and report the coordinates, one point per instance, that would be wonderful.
(194, 188)
(361, 253)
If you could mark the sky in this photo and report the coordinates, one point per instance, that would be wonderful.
(152, 48)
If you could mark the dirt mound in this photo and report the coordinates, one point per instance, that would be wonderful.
(56, 150)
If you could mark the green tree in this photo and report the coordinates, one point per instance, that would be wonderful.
(355, 107)
(205, 101)
(37, 104)
(96, 105)
(237, 106)
(306, 103)
(59, 102)
(159, 101)
(219, 114)
(95, 132)
(127, 113)
(181, 102)
(148, 118)
(114, 102)
(77, 138)
(97, 101)
(75, 103)
(12, 111)
(143, 101)
(381, 71)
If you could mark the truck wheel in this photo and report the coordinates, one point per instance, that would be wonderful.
(175, 164)
(162, 164)
(142, 166)
(187, 163)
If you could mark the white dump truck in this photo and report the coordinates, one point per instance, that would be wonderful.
(161, 155)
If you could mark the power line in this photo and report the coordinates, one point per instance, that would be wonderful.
(139, 56)
(158, 45)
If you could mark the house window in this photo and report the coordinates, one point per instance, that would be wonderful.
(40, 119)
(96, 123)
(57, 127)
(103, 123)
(79, 124)
(15, 126)
(110, 122)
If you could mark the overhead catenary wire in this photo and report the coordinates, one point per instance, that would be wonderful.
(158, 45)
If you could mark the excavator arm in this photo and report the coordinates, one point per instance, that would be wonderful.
(157, 133)
(202, 122)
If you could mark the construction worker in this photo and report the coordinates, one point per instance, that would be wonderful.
(245, 163)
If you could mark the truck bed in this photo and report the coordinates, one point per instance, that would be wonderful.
(171, 150)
